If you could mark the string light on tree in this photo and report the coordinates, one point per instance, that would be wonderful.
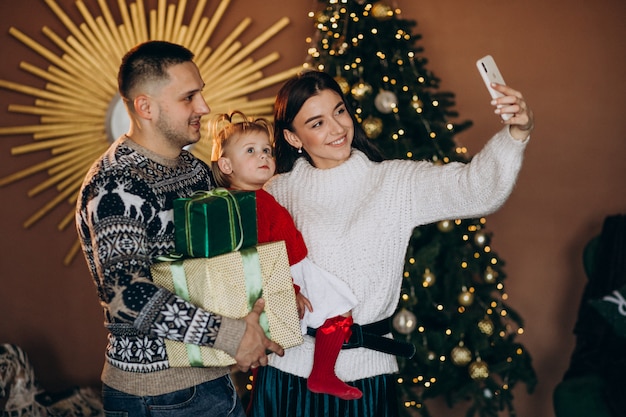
(490, 276)
(480, 238)
(445, 225)
(428, 278)
(361, 90)
(466, 298)
(417, 104)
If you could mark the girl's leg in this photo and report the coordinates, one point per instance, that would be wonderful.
(328, 340)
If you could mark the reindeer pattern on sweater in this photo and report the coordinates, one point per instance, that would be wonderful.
(125, 220)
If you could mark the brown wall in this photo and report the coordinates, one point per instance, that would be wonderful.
(568, 59)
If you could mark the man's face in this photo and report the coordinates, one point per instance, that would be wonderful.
(180, 106)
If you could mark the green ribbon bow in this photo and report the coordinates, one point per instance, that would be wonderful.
(236, 234)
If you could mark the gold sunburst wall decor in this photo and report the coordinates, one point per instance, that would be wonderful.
(79, 110)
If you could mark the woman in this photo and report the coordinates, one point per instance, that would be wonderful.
(357, 213)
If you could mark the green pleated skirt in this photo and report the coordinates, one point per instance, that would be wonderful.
(280, 394)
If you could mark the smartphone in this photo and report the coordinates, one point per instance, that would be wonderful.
(491, 74)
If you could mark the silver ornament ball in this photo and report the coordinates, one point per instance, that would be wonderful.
(386, 101)
(404, 321)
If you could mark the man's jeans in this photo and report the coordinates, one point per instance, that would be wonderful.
(217, 398)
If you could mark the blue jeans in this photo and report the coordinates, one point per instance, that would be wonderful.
(217, 398)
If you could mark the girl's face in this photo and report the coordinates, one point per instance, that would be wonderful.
(248, 161)
(324, 129)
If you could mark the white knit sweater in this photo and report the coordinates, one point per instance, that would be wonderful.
(357, 219)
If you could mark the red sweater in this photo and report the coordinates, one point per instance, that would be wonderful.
(274, 223)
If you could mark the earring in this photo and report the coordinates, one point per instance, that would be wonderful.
(300, 150)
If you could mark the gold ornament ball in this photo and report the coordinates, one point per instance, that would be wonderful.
(461, 355)
(445, 226)
(486, 326)
(343, 84)
(466, 298)
(404, 321)
(382, 11)
(428, 278)
(373, 127)
(478, 370)
(361, 90)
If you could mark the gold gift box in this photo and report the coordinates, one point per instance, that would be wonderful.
(225, 285)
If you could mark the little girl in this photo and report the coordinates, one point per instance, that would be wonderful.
(242, 159)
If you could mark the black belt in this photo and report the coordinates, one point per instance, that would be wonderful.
(371, 336)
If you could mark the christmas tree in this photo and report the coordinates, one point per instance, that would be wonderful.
(453, 306)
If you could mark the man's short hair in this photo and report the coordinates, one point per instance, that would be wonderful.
(148, 62)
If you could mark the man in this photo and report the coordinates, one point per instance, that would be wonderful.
(124, 220)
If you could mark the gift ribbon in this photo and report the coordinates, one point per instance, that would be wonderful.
(338, 323)
(254, 282)
(180, 288)
(254, 290)
(233, 213)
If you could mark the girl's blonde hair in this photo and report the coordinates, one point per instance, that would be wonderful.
(227, 126)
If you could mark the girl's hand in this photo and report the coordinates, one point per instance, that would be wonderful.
(302, 302)
(522, 120)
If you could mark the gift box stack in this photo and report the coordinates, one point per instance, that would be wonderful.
(220, 267)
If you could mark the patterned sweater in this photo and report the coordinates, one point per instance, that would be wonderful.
(125, 219)
(357, 219)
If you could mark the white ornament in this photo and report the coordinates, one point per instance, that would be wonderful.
(404, 321)
(386, 101)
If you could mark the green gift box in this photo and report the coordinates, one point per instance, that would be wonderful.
(211, 223)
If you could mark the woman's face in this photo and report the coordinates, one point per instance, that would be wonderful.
(324, 129)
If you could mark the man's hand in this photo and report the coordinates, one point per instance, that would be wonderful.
(252, 351)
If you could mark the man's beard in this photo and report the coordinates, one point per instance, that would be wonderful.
(173, 135)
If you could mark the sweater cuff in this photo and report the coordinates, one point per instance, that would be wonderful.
(507, 129)
(230, 335)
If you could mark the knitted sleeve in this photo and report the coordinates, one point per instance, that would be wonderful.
(460, 190)
(120, 219)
